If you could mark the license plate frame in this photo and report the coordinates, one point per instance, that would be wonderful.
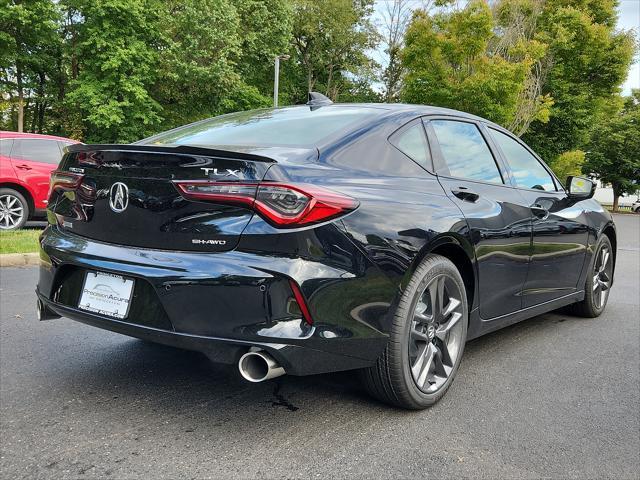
(113, 293)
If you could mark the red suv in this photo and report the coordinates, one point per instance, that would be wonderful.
(26, 162)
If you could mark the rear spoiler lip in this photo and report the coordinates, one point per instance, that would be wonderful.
(177, 150)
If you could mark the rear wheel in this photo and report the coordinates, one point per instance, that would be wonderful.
(598, 283)
(14, 209)
(426, 341)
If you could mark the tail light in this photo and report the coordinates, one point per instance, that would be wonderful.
(64, 181)
(283, 205)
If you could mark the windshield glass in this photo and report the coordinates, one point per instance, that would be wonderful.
(284, 126)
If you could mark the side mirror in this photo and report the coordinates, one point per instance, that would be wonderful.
(580, 187)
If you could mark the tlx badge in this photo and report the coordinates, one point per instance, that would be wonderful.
(227, 172)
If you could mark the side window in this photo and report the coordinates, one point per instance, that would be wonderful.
(413, 143)
(5, 146)
(36, 150)
(465, 152)
(527, 170)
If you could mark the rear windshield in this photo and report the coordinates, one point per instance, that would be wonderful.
(283, 126)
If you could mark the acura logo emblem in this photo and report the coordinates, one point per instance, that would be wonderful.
(119, 197)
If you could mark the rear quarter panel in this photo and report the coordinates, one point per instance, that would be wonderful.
(403, 213)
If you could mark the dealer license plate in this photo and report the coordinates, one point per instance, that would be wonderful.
(106, 294)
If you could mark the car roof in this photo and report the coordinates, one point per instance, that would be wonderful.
(408, 108)
(8, 134)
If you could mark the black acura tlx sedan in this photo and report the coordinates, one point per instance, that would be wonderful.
(323, 237)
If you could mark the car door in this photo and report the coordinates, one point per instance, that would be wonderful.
(499, 224)
(33, 160)
(560, 233)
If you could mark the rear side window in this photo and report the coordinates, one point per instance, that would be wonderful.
(527, 170)
(5, 146)
(413, 143)
(36, 150)
(465, 152)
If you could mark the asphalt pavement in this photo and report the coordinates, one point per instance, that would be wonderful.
(555, 396)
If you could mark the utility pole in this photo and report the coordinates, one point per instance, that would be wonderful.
(276, 78)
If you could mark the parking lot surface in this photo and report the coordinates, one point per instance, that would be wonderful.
(555, 396)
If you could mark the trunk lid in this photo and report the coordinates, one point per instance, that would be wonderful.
(127, 196)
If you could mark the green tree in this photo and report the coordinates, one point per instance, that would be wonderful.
(586, 61)
(396, 15)
(450, 62)
(28, 42)
(265, 32)
(614, 150)
(117, 52)
(330, 39)
(196, 68)
(568, 163)
(217, 56)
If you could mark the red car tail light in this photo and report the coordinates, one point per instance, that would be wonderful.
(283, 205)
(61, 180)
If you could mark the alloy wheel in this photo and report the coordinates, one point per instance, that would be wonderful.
(436, 334)
(602, 268)
(11, 212)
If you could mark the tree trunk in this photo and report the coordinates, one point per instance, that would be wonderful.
(616, 198)
(34, 116)
(20, 97)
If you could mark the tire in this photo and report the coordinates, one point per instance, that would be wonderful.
(424, 350)
(598, 283)
(14, 209)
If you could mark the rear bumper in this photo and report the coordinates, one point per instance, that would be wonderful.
(221, 304)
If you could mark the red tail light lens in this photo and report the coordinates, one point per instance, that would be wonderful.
(283, 205)
(64, 181)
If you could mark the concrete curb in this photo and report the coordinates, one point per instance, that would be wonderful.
(19, 259)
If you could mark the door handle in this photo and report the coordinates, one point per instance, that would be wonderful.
(23, 167)
(465, 193)
(539, 211)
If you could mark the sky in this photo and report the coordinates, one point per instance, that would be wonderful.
(628, 18)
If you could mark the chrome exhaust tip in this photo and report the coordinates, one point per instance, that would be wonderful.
(258, 366)
(43, 312)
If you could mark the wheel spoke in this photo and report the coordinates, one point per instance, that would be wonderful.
(453, 304)
(423, 364)
(436, 293)
(445, 355)
(439, 367)
(419, 335)
(604, 259)
(444, 329)
(598, 297)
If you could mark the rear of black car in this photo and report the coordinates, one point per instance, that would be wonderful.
(213, 248)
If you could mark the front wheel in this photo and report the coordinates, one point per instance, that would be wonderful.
(426, 341)
(598, 283)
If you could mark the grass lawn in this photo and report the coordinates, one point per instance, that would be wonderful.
(19, 241)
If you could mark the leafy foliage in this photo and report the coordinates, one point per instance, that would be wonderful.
(614, 150)
(586, 61)
(117, 68)
(330, 41)
(28, 45)
(449, 63)
(568, 163)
